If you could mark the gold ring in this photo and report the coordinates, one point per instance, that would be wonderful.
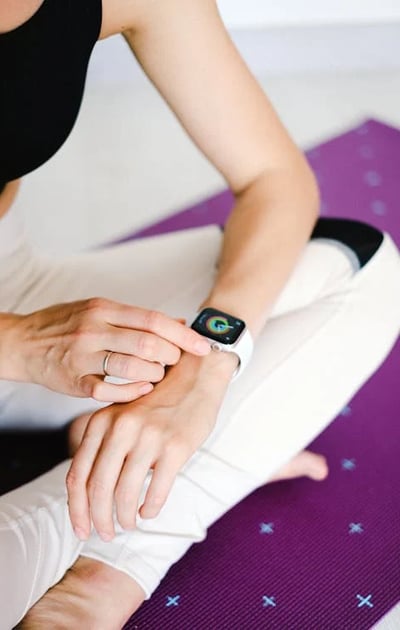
(105, 363)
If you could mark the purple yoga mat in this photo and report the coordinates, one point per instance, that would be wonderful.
(301, 555)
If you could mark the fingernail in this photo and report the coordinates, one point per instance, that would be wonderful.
(202, 347)
(148, 511)
(106, 536)
(80, 533)
(146, 389)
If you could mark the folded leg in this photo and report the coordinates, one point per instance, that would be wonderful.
(309, 361)
(331, 327)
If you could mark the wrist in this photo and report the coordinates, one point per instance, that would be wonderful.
(213, 371)
(228, 303)
(219, 364)
(226, 333)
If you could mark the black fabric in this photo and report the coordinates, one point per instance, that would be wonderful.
(362, 238)
(43, 66)
(24, 455)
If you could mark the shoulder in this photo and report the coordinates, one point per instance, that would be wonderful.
(14, 14)
(118, 15)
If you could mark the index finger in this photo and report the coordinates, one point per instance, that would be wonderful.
(160, 324)
(78, 474)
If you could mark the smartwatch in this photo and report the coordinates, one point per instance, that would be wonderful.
(226, 333)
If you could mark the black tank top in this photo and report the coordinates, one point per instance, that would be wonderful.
(43, 66)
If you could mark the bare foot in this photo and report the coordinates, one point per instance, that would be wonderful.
(305, 464)
(91, 595)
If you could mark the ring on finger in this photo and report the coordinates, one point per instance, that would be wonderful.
(105, 363)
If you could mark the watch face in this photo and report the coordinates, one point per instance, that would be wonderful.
(218, 326)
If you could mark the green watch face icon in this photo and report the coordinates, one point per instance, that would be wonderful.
(218, 325)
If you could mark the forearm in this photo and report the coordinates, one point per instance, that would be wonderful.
(8, 359)
(266, 232)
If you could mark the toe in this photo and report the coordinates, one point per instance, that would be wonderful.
(316, 466)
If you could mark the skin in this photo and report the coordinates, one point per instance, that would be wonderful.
(184, 49)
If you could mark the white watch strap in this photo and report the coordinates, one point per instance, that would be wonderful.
(244, 350)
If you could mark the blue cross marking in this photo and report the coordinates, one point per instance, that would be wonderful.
(373, 179)
(355, 528)
(366, 151)
(172, 601)
(364, 601)
(346, 411)
(379, 207)
(348, 464)
(268, 601)
(266, 528)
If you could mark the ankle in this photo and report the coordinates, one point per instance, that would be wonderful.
(97, 580)
(91, 595)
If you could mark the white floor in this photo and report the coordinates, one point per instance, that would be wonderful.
(127, 161)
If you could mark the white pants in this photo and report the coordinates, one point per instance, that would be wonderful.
(330, 329)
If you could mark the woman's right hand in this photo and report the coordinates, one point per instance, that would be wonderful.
(63, 347)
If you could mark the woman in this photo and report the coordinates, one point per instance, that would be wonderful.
(160, 457)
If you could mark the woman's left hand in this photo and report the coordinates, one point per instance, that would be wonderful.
(159, 431)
